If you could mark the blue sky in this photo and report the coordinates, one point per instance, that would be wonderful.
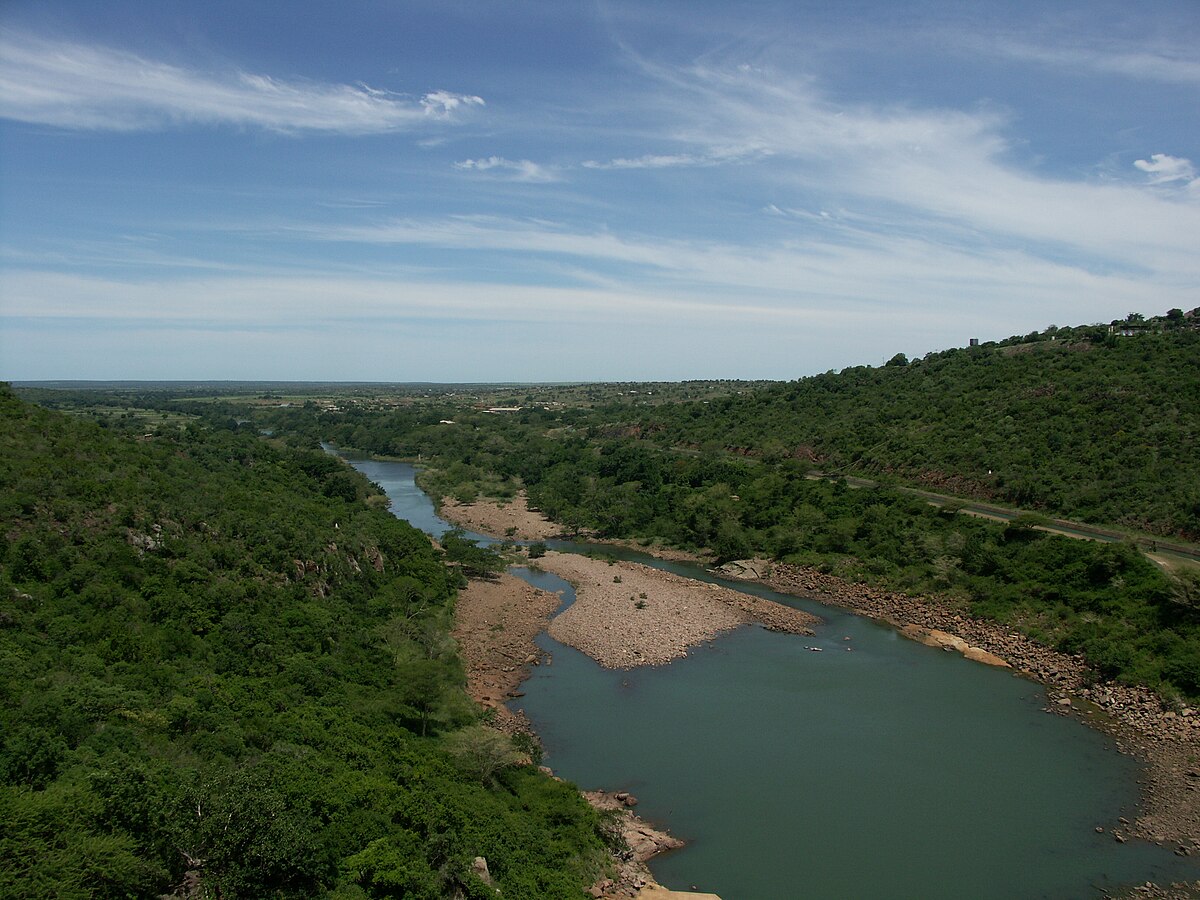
(555, 191)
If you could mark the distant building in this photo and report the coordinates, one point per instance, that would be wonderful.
(1130, 329)
(974, 342)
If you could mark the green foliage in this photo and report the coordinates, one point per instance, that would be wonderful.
(216, 659)
(1100, 432)
(474, 560)
(481, 753)
(1069, 425)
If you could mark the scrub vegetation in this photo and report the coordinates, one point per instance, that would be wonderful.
(220, 666)
(1074, 421)
(224, 661)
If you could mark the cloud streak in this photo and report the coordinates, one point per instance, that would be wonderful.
(1166, 66)
(81, 86)
(714, 157)
(521, 169)
(939, 171)
(1165, 169)
(846, 262)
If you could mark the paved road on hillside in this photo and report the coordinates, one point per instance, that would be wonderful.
(1081, 530)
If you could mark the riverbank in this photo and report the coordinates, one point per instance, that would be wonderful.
(1167, 741)
(496, 622)
(643, 841)
(500, 519)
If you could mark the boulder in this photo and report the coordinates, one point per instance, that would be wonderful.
(951, 641)
(988, 659)
(480, 868)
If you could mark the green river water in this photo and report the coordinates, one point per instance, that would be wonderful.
(875, 768)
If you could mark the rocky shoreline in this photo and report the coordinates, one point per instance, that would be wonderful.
(1167, 741)
(641, 839)
(496, 621)
(627, 614)
(511, 519)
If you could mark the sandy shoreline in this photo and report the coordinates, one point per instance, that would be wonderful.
(496, 622)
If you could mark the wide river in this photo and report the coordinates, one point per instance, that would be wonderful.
(877, 768)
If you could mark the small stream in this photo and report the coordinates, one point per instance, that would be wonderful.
(877, 767)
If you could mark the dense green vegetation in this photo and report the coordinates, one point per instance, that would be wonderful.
(221, 655)
(1088, 426)
(1086, 423)
(218, 662)
(1105, 600)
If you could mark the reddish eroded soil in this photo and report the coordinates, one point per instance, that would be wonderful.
(495, 622)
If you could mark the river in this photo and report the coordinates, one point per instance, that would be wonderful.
(877, 767)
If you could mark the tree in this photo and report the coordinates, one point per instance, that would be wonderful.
(480, 562)
(481, 753)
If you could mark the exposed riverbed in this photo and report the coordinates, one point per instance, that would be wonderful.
(852, 763)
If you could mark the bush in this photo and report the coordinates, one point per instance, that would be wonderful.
(481, 753)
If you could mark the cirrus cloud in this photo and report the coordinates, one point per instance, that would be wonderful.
(522, 169)
(83, 86)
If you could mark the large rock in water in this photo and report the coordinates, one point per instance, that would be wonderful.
(989, 659)
(948, 641)
(952, 641)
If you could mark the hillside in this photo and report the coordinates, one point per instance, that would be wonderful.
(221, 667)
(1096, 428)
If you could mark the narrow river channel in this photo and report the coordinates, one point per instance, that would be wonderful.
(876, 768)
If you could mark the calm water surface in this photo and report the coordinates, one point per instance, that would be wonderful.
(886, 770)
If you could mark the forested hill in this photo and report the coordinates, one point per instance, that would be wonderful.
(219, 665)
(1099, 428)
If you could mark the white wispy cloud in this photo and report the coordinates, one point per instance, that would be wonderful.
(935, 169)
(1164, 169)
(850, 264)
(1168, 65)
(649, 161)
(83, 86)
(521, 169)
(714, 156)
(270, 300)
(442, 103)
